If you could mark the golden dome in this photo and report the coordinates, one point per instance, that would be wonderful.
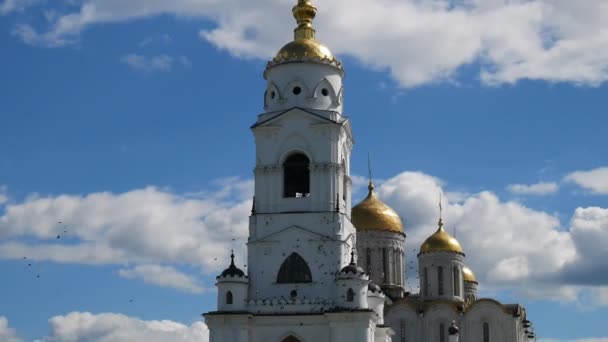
(467, 275)
(441, 241)
(304, 47)
(373, 214)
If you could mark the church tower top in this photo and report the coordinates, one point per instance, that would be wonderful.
(304, 47)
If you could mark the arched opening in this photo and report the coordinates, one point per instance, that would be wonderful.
(456, 281)
(486, 332)
(385, 267)
(440, 280)
(350, 295)
(291, 339)
(368, 260)
(344, 180)
(294, 270)
(228, 297)
(296, 176)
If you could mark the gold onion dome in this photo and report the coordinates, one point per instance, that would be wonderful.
(304, 47)
(373, 214)
(468, 275)
(441, 241)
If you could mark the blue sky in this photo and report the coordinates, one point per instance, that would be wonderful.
(129, 124)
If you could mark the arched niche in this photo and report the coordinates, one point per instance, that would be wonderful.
(291, 338)
(294, 270)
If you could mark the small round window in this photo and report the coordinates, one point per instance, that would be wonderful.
(297, 90)
(324, 91)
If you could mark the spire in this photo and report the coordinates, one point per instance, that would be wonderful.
(304, 12)
(440, 223)
(370, 187)
(232, 265)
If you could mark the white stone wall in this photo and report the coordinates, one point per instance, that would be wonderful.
(328, 327)
(312, 78)
(327, 145)
(324, 241)
(238, 287)
(425, 326)
(376, 242)
(448, 261)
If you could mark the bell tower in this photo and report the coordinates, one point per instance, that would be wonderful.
(301, 272)
(302, 178)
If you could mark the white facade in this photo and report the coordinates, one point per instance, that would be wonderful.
(303, 282)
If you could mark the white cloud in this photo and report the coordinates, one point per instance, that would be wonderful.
(595, 180)
(9, 6)
(111, 327)
(3, 195)
(145, 226)
(160, 63)
(164, 276)
(589, 231)
(508, 246)
(542, 188)
(7, 334)
(417, 42)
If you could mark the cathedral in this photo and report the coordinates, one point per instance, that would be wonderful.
(320, 269)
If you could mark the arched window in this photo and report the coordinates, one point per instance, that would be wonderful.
(456, 281)
(368, 259)
(440, 280)
(228, 297)
(441, 332)
(486, 332)
(350, 295)
(290, 339)
(425, 275)
(294, 270)
(344, 180)
(386, 269)
(296, 176)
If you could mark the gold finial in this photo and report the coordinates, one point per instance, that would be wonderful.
(370, 187)
(304, 12)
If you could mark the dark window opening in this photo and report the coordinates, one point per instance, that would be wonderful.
(293, 294)
(228, 297)
(385, 267)
(486, 332)
(440, 279)
(294, 270)
(456, 281)
(296, 176)
(441, 332)
(368, 259)
(350, 295)
(297, 90)
(325, 92)
(272, 95)
(425, 275)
